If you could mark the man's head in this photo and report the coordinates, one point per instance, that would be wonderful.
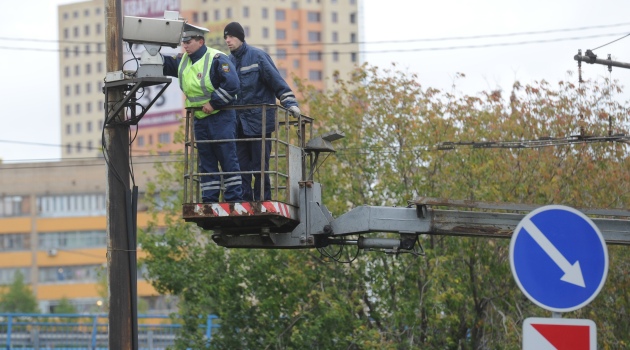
(234, 35)
(193, 38)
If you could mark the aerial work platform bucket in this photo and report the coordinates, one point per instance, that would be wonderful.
(286, 170)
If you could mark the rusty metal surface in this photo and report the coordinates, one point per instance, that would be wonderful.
(517, 207)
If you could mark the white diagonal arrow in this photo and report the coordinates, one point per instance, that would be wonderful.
(572, 273)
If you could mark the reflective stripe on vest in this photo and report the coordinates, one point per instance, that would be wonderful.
(194, 80)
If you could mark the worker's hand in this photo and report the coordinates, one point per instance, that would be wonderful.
(207, 108)
(295, 111)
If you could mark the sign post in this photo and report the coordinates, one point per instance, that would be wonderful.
(559, 261)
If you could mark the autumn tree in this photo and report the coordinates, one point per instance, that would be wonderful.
(460, 294)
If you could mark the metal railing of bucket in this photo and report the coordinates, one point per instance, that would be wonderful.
(290, 135)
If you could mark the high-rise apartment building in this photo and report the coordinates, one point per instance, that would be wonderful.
(308, 39)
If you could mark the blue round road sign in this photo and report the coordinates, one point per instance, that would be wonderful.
(558, 258)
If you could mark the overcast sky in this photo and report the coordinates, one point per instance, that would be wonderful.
(394, 31)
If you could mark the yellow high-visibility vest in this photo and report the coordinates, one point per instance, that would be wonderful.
(194, 80)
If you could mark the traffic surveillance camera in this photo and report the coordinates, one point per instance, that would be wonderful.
(153, 33)
(159, 31)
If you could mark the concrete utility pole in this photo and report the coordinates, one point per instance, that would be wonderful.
(120, 318)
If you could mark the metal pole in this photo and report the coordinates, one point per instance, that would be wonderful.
(117, 157)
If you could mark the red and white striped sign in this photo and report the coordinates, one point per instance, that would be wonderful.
(559, 334)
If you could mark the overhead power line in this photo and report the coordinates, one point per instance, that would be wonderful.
(406, 41)
(389, 51)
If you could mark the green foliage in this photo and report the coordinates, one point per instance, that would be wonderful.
(65, 307)
(18, 298)
(461, 294)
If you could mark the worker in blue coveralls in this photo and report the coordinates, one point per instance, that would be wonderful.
(261, 83)
(209, 80)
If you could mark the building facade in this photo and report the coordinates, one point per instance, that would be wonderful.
(53, 231)
(307, 39)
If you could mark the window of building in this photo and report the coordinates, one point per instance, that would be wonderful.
(88, 108)
(228, 13)
(335, 37)
(68, 148)
(140, 141)
(77, 70)
(315, 75)
(314, 55)
(66, 52)
(265, 12)
(246, 30)
(333, 17)
(66, 33)
(353, 2)
(89, 146)
(86, 30)
(245, 12)
(150, 139)
(78, 147)
(7, 275)
(97, 10)
(68, 129)
(353, 56)
(75, 32)
(265, 32)
(294, 5)
(353, 38)
(86, 12)
(100, 108)
(88, 68)
(68, 110)
(77, 109)
(72, 274)
(66, 71)
(295, 44)
(164, 137)
(217, 15)
(75, 14)
(335, 56)
(281, 34)
(204, 16)
(281, 54)
(314, 36)
(88, 126)
(99, 47)
(67, 90)
(77, 128)
(295, 25)
(98, 28)
(15, 242)
(74, 239)
(195, 18)
(280, 15)
(99, 67)
(77, 89)
(12, 206)
(88, 88)
(296, 63)
(313, 17)
(65, 15)
(353, 18)
(76, 50)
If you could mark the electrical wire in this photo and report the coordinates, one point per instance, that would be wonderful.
(471, 37)
(390, 51)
